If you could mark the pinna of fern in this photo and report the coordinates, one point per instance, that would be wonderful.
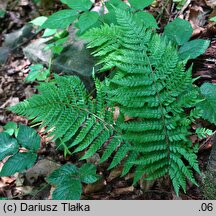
(151, 86)
(64, 107)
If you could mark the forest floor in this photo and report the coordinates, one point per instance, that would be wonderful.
(14, 89)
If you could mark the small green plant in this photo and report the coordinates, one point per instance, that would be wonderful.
(37, 72)
(18, 161)
(68, 180)
(179, 32)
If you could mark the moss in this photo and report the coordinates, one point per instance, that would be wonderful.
(209, 186)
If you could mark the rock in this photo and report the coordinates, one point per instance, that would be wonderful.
(4, 52)
(35, 51)
(42, 168)
(18, 37)
(75, 59)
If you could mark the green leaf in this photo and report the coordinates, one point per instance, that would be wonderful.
(2, 13)
(8, 145)
(70, 189)
(87, 19)
(60, 19)
(208, 90)
(28, 138)
(39, 21)
(17, 163)
(110, 5)
(10, 128)
(179, 31)
(35, 70)
(48, 32)
(82, 5)
(88, 173)
(146, 18)
(213, 19)
(63, 172)
(140, 4)
(67, 182)
(203, 132)
(193, 49)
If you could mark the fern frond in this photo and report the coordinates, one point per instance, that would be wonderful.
(151, 86)
(63, 105)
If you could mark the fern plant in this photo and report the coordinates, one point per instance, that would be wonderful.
(151, 86)
(148, 83)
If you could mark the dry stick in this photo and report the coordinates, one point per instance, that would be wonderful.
(184, 7)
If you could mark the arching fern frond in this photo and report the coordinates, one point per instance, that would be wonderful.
(64, 106)
(151, 86)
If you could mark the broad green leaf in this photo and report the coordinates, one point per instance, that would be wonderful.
(63, 172)
(88, 173)
(193, 49)
(179, 31)
(82, 5)
(48, 32)
(10, 128)
(140, 4)
(39, 21)
(28, 138)
(60, 19)
(213, 19)
(87, 19)
(110, 17)
(110, 5)
(70, 189)
(8, 145)
(208, 107)
(18, 163)
(146, 18)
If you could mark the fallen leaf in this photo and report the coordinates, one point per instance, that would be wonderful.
(42, 168)
(95, 187)
(120, 191)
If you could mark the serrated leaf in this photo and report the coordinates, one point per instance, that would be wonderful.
(140, 4)
(70, 189)
(88, 173)
(10, 128)
(179, 31)
(8, 145)
(87, 19)
(193, 49)
(18, 163)
(146, 18)
(28, 138)
(60, 19)
(82, 5)
(39, 21)
(208, 90)
(203, 132)
(63, 172)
